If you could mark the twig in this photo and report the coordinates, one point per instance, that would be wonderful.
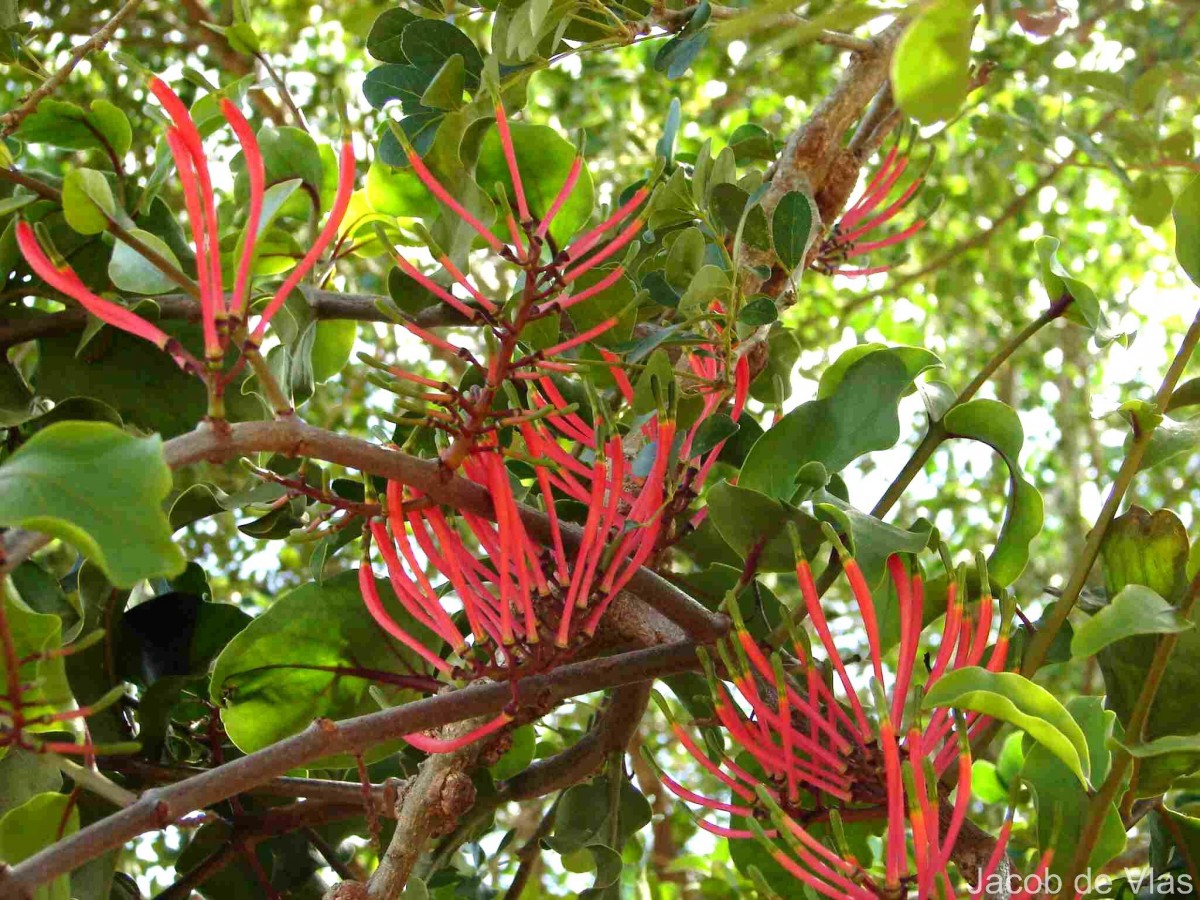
(12, 119)
(530, 853)
(95, 782)
(159, 807)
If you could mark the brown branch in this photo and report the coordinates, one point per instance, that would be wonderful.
(157, 808)
(437, 798)
(292, 437)
(323, 304)
(612, 733)
(98, 41)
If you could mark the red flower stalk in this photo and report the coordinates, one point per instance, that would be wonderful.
(814, 753)
(845, 239)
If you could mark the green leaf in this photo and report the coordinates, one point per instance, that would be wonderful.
(519, 754)
(685, 258)
(614, 300)
(88, 202)
(758, 311)
(584, 814)
(856, 418)
(1085, 308)
(1151, 550)
(42, 820)
(1151, 200)
(1062, 803)
(1187, 229)
(310, 655)
(445, 91)
(1015, 699)
(793, 227)
(384, 41)
(1135, 610)
(752, 142)
(132, 272)
(332, 346)
(931, 64)
(397, 82)
(544, 158)
(290, 152)
(429, 43)
(872, 541)
(714, 430)
(33, 633)
(1171, 439)
(709, 284)
(997, 425)
(99, 489)
(15, 397)
(65, 125)
(23, 775)
(676, 56)
(749, 520)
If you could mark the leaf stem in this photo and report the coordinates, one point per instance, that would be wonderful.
(1097, 810)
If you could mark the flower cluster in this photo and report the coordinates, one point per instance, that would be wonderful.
(826, 759)
(530, 600)
(222, 316)
(845, 240)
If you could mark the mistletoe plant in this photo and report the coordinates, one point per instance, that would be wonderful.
(358, 497)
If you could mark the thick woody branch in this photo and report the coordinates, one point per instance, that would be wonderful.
(291, 437)
(440, 794)
(611, 734)
(159, 807)
(323, 305)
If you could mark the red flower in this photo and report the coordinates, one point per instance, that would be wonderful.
(845, 241)
(824, 758)
(191, 162)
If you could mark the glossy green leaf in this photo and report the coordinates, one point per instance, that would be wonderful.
(750, 521)
(685, 258)
(384, 40)
(445, 90)
(793, 227)
(1085, 308)
(132, 272)
(88, 202)
(311, 654)
(1171, 440)
(856, 418)
(709, 284)
(1012, 698)
(997, 425)
(1135, 610)
(1187, 229)
(430, 43)
(1063, 804)
(60, 124)
(931, 63)
(99, 489)
(544, 158)
(41, 821)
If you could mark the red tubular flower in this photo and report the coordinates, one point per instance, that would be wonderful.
(256, 173)
(63, 279)
(195, 211)
(845, 241)
(341, 202)
(194, 145)
(811, 749)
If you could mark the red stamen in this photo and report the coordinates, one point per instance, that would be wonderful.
(582, 338)
(191, 200)
(627, 235)
(563, 193)
(582, 245)
(366, 584)
(564, 302)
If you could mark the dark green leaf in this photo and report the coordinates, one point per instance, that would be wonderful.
(793, 226)
(96, 488)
